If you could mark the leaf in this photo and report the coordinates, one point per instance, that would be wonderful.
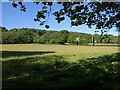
(14, 5)
(47, 26)
(20, 3)
(43, 16)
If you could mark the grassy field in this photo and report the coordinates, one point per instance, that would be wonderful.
(60, 66)
(73, 53)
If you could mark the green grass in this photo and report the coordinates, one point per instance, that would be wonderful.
(60, 66)
(73, 53)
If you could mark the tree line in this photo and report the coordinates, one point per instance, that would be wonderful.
(28, 35)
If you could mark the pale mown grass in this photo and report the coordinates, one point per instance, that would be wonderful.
(71, 53)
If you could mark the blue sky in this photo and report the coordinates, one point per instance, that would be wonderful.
(14, 18)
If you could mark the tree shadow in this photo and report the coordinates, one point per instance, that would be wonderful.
(102, 73)
(6, 54)
(113, 57)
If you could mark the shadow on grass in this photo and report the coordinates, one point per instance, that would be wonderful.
(6, 54)
(102, 73)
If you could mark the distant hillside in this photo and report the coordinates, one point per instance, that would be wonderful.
(31, 35)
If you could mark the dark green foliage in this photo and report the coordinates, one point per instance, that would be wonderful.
(26, 35)
(3, 29)
(72, 37)
(52, 72)
(47, 26)
(22, 7)
(84, 39)
(10, 37)
(40, 32)
(63, 37)
(102, 15)
(47, 37)
(23, 35)
(14, 4)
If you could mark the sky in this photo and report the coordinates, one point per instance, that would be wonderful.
(14, 18)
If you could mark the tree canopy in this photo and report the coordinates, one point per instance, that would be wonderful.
(102, 15)
(28, 35)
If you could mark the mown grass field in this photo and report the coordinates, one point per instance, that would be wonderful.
(60, 66)
(73, 53)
